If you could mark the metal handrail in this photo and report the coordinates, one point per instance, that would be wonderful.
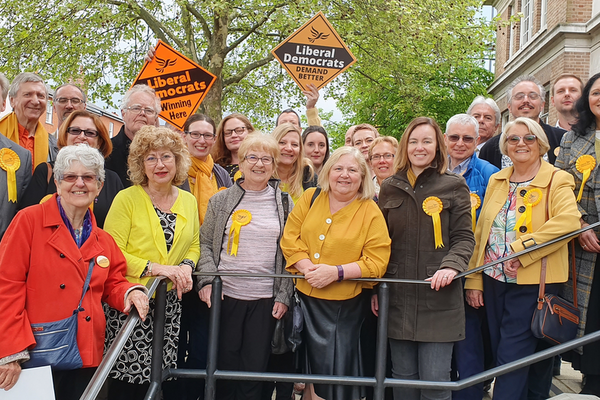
(97, 381)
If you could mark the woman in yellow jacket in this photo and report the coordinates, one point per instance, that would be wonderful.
(510, 290)
(156, 225)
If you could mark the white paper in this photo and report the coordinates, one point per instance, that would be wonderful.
(33, 383)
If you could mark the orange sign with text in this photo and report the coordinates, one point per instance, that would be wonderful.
(180, 83)
(315, 53)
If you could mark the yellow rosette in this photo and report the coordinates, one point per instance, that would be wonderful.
(531, 199)
(585, 164)
(433, 207)
(10, 162)
(475, 204)
(238, 219)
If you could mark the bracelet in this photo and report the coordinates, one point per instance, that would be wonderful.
(340, 273)
(149, 268)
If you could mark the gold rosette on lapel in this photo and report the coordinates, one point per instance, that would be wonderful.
(10, 162)
(238, 219)
(585, 164)
(433, 207)
(531, 199)
(475, 204)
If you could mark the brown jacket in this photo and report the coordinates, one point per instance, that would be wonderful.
(417, 312)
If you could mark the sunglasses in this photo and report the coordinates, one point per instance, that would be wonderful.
(465, 139)
(71, 178)
(527, 139)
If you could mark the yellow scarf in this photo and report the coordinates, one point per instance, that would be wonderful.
(202, 183)
(9, 126)
(412, 178)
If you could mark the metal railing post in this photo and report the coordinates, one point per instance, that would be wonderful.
(158, 332)
(213, 339)
(383, 296)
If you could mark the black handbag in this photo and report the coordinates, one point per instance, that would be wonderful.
(56, 341)
(288, 330)
(555, 320)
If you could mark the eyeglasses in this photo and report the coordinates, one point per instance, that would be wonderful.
(64, 100)
(197, 135)
(165, 159)
(71, 178)
(360, 142)
(527, 139)
(386, 156)
(138, 110)
(238, 131)
(465, 139)
(531, 95)
(252, 159)
(87, 132)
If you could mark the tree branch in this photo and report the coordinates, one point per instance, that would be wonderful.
(189, 32)
(249, 68)
(200, 18)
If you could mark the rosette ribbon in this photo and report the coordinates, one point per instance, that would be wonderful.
(531, 199)
(10, 162)
(475, 204)
(585, 164)
(238, 219)
(433, 207)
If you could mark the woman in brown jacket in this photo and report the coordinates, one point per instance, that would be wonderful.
(428, 213)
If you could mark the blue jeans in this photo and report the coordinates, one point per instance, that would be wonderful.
(421, 360)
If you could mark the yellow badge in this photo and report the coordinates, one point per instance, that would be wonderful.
(475, 204)
(433, 207)
(102, 261)
(10, 162)
(237, 176)
(585, 164)
(238, 219)
(531, 199)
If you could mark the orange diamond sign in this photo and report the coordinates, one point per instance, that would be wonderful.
(180, 83)
(315, 53)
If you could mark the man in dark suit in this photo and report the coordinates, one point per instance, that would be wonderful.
(8, 209)
(525, 99)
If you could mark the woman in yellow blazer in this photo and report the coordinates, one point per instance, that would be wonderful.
(156, 225)
(343, 235)
(509, 290)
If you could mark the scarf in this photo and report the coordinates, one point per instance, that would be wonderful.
(202, 183)
(412, 178)
(80, 236)
(9, 126)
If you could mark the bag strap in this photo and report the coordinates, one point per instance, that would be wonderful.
(86, 285)
(315, 195)
(542, 290)
(285, 202)
(573, 273)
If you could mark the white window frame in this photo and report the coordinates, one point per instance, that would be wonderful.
(49, 113)
(111, 127)
(527, 21)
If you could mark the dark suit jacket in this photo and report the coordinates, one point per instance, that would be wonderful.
(23, 175)
(117, 161)
(490, 151)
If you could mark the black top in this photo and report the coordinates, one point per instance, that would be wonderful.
(117, 161)
(490, 151)
(40, 187)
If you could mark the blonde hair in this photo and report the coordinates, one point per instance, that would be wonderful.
(383, 139)
(533, 127)
(296, 178)
(367, 188)
(258, 141)
(150, 138)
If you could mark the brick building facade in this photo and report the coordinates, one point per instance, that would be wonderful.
(551, 38)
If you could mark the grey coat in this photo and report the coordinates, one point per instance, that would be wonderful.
(220, 208)
(572, 147)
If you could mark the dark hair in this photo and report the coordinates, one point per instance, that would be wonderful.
(321, 130)
(199, 117)
(220, 153)
(585, 116)
(287, 111)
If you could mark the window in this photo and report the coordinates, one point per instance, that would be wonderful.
(111, 127)
(526, 21)
(546, 110)
(511, 39)
(49, 112)
(505, 119)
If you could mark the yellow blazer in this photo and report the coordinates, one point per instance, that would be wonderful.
(133, 223)
(563, 218)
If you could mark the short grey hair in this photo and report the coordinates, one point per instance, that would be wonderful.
(488, 102)
(4, 86)
(83, 94)
(24, 77)
(89, 157)
(463, 119)
(526, 78)
(141, 88)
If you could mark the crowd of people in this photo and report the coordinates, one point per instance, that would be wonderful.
(79, 208)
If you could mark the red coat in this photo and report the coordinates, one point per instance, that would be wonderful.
(42, 273)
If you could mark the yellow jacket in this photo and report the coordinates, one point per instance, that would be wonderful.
(133, 223)
(356, 233)
(563, 218)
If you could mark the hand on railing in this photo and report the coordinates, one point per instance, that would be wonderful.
(442, 277)
(511, 267)
(139, 299)
(589, 241)
(180, 275)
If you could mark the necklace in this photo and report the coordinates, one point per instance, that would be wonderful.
(157, 205)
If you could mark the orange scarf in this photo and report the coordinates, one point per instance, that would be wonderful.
(203, 184)
(9, 127)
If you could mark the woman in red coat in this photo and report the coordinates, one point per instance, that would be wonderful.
(44, 260)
